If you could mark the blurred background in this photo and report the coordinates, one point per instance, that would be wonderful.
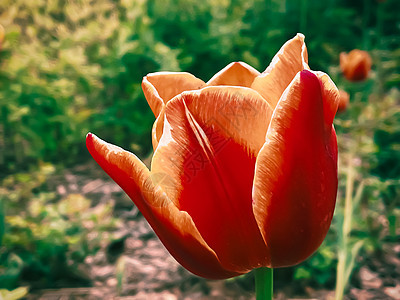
(70, 67)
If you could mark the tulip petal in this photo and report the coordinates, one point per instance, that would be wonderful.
(157, 129)
(208, 149)
(295, 180)
(161, 87)
(331, 93)
(290, 59)
(235, 74)
(175, 228)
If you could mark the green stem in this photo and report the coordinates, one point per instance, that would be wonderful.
(264, 283)
(342, 266)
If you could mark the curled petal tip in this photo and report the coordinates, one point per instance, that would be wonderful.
(300, 36)
(235, 74)
(161, 87)
(306, 73)
(89, 139)
(290, 59)
(309, 76)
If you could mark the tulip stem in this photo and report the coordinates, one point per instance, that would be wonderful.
(264, 283)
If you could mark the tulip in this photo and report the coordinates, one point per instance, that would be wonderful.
(355, 65)
(244, 172)
(344, 99)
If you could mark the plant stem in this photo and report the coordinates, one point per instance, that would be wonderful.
(264, 283)
(341, 278)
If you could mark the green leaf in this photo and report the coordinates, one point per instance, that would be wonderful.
(16, 294)
(302, 273)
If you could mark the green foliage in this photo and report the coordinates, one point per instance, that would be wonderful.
(44, 244)
(66, 67)
(18, 293)
(69, 67)
(319, 269)
(368, 172)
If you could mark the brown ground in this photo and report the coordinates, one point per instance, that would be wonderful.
(149, 272)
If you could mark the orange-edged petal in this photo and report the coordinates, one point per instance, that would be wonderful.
(290, 59)
(331, 93)
(157, 129)
(161, 87)
(235, 74)
(208, 148)
(175, 228)
(296, 180)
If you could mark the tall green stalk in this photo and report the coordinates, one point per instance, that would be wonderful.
(348, 251)
(346, 228)
(264, 283)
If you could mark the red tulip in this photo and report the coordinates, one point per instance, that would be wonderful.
(355, 65)
(244, 172)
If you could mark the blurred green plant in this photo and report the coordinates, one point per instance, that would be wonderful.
(319, 269)
(15, 294)
(44, 244)
(368, 187)
(348, 248)
(68, 67)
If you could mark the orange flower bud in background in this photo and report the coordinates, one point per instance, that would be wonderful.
(2, 34)
(244, 172)
(355, 65)
(344, 100)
